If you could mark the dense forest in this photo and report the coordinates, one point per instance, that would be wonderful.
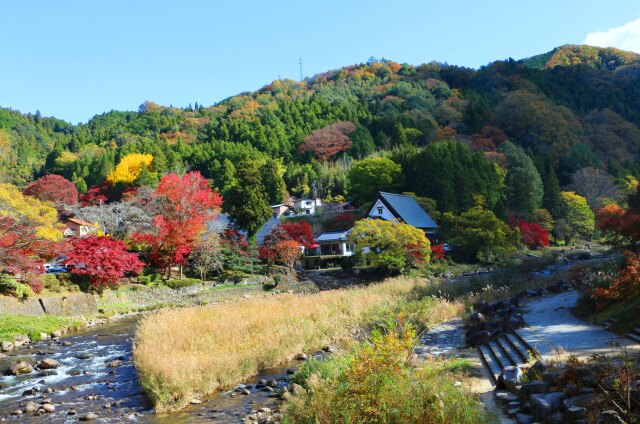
(572, 108)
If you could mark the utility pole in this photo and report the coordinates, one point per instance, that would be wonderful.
(301, 69)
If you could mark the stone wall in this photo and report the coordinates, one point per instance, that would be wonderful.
(68, 305)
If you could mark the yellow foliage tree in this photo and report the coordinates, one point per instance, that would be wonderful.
(391, 245)
(128, 169)
(24, 209)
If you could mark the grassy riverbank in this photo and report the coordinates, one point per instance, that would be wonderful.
(191, 352)
(376, 383)
(16, 325)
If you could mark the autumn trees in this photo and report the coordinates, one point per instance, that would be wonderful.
(53, 188)
(186, 204)
(328, 141)
(284, 243)
(28, 230)
(479, 235)
(103, 260)
(389, 245)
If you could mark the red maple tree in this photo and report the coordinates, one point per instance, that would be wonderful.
(104, 260)
(287, 252)
(21, 247)
(328, 141)
(532, 234)
(299, 232)
(437, 251)
(187, 204)
(53, 188)
(622, 226)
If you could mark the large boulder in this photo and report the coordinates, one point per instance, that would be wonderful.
(483, 307)
(545, 405)
(533, 387)
(48, 364)
(20, 367)
(510, 377)
(477, 338)
(512, 322)
(477, 322)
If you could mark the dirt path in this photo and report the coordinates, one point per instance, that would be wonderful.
(553, 330)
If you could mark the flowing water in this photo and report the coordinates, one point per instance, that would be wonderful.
(85, 383)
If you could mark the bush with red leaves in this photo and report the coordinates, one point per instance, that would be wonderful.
(104, 260)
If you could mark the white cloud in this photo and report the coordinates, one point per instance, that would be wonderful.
(625, 37)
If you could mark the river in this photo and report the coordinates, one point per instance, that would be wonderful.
(85, 383)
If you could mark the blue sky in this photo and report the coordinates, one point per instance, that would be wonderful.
(75, 59)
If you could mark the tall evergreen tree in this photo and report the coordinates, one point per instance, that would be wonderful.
(274, 185)
(551, 199)
(524, 185)
(246, 201)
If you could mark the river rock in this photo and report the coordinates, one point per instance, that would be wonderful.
(47, 373)
(66, 343)
(30, 407)
(16, 413)
(330, 349)
(6, 346)
(302, 356)
(89, 417)
(245, 392)
(21, 340)
(272, 383)
(48, 408)
(86, 356)
(115, 363)
(545, 405)
(48, 364)
(20, 367)
(56, 333)
(195, 401)
(43, 337)
(72, 412)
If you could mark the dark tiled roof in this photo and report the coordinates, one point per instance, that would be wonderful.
(408, 210)
(332, 236)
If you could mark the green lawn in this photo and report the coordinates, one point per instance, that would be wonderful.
(14, 325)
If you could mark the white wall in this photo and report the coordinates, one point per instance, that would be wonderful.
(386, 214)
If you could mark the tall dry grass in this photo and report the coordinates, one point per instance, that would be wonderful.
(186, 353)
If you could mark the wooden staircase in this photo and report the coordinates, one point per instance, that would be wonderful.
(509, 349)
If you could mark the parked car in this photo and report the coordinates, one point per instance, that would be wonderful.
(56, 270)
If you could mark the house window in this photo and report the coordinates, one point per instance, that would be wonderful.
(379, 210)
(308, 212)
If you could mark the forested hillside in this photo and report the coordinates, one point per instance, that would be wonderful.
(571, 108)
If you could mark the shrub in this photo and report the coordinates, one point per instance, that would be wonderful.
(185, 282)
(377, 385)
(9, 285)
